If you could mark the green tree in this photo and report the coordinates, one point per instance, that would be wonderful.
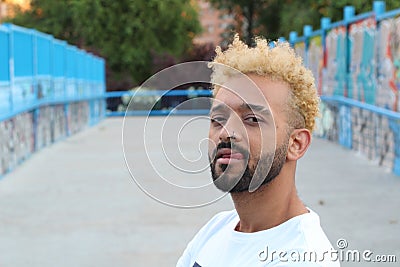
(126, 33)
(249, 10)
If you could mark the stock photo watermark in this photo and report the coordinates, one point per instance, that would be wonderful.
(342, 254)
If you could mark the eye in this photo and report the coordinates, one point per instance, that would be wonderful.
(252, 119)
(218, 120)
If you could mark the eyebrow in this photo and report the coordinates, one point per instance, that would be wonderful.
(219, 107)
(258, 108)
(244, 106)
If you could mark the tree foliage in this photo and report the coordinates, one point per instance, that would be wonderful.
(127, 33)
(276, 18)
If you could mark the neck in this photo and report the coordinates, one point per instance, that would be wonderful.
(270, 205)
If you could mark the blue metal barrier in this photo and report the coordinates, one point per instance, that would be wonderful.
(48, 90)
(130, 109)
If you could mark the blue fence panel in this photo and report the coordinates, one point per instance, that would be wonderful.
(40, 101)
(100, 75)
(59, 67)
(4, 70)
(90, 65)
(22, 51)
(24, 85)
(44, 53)
(87, 78)
(4, 55)
(71, 71)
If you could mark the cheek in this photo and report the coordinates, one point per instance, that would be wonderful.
(262, 141)
(213, 135)
(255, 143)
(212, 140)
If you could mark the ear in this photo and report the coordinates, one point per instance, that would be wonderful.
(299, 142)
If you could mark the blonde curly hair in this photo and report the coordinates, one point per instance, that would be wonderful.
(279, 63)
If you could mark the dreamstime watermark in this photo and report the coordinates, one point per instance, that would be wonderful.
(342, 254)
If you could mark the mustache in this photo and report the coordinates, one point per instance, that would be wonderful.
(231, 146)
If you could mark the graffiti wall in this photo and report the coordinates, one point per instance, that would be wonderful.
(16, 140)
(388, 62)
(359, 61)
(300, 49)
(28, 132)
(326, 125)
(333, 82)
(362, 71)
(375, 136)
(315, 59)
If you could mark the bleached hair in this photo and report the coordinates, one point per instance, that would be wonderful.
(278, 62)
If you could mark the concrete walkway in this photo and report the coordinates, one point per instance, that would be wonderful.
(75, 203)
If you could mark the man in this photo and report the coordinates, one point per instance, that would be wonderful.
(262, 117)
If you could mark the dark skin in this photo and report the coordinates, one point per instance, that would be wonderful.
(276, 202)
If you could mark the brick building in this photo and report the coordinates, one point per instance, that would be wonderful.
(216, 24)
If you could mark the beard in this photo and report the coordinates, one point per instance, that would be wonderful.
(262, 170)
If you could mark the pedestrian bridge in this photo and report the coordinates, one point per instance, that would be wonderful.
(75, 203)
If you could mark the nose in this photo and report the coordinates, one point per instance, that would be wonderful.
(227, 136)
(231, 132)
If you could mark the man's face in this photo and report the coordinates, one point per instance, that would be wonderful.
(248, 133)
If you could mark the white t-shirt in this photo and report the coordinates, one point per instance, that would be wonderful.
(300, 241)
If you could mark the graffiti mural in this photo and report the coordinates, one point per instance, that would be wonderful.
(326, 124)
(362, 76)
(16, 141)
(344, 125)
(78, 116)
(50, 125)
(388, 57)
(372, 135)
(315, 60)
(300, 49)
(25, 133)
(360, 62)
(335, 74)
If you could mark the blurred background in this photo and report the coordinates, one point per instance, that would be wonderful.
(138, 38)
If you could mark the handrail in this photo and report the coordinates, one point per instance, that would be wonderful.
(351, 102)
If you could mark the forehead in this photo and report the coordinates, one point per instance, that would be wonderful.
(253, 90)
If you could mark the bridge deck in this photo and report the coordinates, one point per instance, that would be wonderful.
(75, 204)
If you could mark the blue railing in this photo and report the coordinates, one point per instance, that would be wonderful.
(357, 69)
(161, 105)
(48, 90)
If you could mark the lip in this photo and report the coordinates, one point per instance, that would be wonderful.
(226, 155)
